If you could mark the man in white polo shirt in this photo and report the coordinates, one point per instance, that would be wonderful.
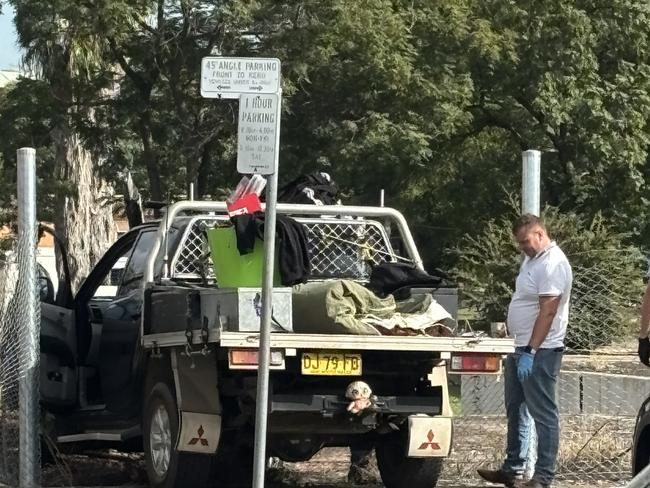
(537, 318)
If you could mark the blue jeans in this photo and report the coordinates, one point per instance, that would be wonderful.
(535, 395)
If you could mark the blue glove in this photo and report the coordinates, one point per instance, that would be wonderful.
(525, 365)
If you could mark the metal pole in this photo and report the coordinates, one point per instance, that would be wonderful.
(381, 197)
(29, 321)
(641, 480)
(191, 191)
(261, 411)
(530, 177)
(530, 184)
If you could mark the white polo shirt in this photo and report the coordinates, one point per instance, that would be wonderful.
(547, 274)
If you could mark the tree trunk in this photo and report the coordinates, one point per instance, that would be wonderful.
(151, 157)
(202, 187)
(84, 216)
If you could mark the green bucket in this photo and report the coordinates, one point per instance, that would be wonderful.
(233, 270)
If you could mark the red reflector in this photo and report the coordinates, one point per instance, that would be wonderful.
(243, 356)
(249, 357)
(475, 362)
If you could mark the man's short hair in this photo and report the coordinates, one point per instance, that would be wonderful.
(525, 221)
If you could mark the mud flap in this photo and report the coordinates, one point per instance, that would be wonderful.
(429, 436)
(199, 432)
(197, 396)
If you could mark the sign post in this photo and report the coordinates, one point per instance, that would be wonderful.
(263, 160)
(256, 83)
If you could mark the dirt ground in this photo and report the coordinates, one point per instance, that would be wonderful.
(328, 469)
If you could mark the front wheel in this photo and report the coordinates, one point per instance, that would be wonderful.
(166, 467)
(399, 471)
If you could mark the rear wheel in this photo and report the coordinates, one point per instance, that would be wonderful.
(399, 471)
(166, 467)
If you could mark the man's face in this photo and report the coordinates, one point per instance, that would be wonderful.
(530, 239)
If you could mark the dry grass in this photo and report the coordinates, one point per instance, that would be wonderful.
(328, 469)
(592, 449)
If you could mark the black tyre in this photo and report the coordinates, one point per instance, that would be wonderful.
(399, 471)
(166, 467)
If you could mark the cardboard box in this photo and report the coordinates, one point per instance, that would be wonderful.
(240, 309)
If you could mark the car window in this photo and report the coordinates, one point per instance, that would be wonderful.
(111, 281)
(134, 270)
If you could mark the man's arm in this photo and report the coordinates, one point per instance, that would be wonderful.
(644, 328)
(548, 306)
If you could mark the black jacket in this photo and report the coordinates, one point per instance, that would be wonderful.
(291, 240)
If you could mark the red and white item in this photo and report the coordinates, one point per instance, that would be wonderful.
(247, 204)
(245, 199)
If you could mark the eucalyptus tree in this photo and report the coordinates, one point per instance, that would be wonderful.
(65, 49)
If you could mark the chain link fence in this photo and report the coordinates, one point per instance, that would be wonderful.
(17, 288)
(600, 389)
(19, 337)
(9, 370)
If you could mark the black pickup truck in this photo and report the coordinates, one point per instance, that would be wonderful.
(143, 358)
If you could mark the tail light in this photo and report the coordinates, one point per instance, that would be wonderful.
(249, 359)
(475, 363)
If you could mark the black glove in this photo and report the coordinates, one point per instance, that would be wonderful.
(644, 350)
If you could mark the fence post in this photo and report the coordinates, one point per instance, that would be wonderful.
(530, 176)
(530, 192)
(28, 321)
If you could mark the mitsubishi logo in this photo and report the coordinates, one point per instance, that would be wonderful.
(194, 440)
(434, 445)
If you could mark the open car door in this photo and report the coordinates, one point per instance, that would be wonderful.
(58, 368)
(58, 361)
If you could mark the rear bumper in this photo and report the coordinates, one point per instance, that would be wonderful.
(330, 405)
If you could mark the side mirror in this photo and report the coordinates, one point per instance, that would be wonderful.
(45, 286)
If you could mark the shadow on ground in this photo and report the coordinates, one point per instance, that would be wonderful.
(328, 469)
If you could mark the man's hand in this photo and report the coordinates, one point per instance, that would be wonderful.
(644, 350)
(525, 365)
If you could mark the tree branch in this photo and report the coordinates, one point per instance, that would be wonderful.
(491, 119)
(130, 72)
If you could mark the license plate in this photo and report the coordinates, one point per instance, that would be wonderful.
(331, 363)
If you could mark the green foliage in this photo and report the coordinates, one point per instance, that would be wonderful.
(487, 265)
(430, 101)
(372, 90)
(26, 119)
(607, 275)
(572, 78)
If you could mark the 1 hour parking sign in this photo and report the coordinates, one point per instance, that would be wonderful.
(256, 134)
